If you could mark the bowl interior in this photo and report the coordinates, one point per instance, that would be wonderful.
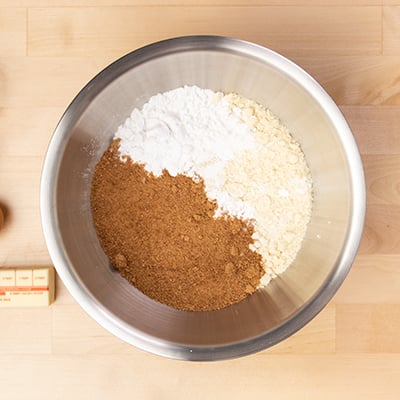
(87, 129)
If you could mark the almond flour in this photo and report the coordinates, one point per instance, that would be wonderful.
(274, 179)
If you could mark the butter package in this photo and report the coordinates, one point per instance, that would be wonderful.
(26, 287)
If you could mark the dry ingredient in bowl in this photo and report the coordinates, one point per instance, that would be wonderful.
(161, 234)
(273, 178)
(201, 198)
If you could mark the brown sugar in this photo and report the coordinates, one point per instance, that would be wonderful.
(162, 236)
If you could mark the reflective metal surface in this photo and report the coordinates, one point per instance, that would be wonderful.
(271, 314)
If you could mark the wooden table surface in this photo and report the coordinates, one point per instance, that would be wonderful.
(50, 48)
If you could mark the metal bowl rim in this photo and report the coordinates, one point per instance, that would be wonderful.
(105, 317)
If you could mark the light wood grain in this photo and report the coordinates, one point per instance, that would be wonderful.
(22, 238)
(373, 279)
(391, 34)
(366, 328)
(85, 336)
(25, 331)
(357, 80)
(119, 3)
(50, 48)
(145, 376)
(29, 127)
(382, 178)
(12, 31)
(82, 31)
(381, 232)
(43, 82)
(376, 129)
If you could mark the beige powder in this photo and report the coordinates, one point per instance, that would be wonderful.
(275, 180)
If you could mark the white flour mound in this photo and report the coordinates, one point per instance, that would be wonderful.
(189, 131)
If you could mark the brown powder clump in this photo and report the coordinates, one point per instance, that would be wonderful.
(162, 236)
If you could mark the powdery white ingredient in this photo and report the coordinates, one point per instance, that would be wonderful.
(189, 131)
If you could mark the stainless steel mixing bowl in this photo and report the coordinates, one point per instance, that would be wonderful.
(287, 303)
